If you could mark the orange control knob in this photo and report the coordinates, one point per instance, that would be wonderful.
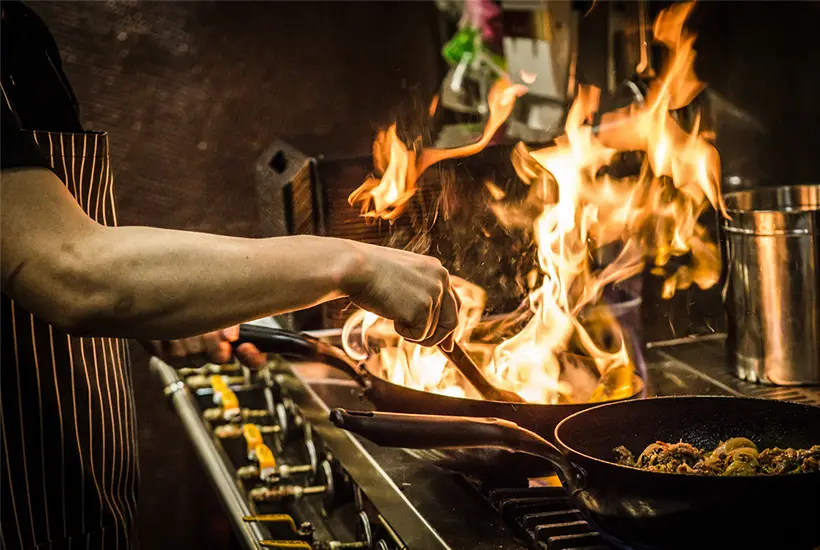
(230, 404)
(285, 544)
(253, 437)
(219, 386)
(267, 464)
(285, 520)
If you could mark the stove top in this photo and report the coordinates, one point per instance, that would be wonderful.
(445, 510)
(340, 491)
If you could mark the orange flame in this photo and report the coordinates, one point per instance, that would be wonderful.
(576, 210)
(385, 196)
(646, 214)
(410, 364)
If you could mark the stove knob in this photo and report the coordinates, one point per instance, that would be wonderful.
(270, 401)
(234, 415)
(283, 493)
(247, 374)
(286, 544)
(237, 431)
(230, 406)
(268, 472)
(218, 385)
(363, 531)
(266, 469)
(281, 417)
(297, 419)
(253, 438)
(285, 523)
(310, 447)
(325, 477)
(358, 498)
(290, 405)
(325, 486)
(363, 535)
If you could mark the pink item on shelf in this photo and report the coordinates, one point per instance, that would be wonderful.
(485, 15)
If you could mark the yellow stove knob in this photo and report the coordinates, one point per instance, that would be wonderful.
(253, 437)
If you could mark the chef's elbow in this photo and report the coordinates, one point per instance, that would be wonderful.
(90, 314)
(86, 299)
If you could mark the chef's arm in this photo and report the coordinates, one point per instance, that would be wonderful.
(159, 284)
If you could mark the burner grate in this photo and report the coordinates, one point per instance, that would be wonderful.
(545, 518)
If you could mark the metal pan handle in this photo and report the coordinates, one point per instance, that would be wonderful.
(420, 431)
(297, 346)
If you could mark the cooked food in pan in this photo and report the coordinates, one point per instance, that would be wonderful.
(736, 457)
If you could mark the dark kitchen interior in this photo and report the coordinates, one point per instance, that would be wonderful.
(196, 97)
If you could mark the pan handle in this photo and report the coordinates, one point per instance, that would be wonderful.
(298, 346)
(421, 431)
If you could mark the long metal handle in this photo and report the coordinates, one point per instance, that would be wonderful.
(291, 345)
(223, 480)
(645, 67)
(297, 346)
(423, 431)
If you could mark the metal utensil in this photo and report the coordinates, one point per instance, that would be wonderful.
(471, 372)
(772, 293)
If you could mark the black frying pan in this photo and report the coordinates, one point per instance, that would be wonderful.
(387, 396)
(640, 509)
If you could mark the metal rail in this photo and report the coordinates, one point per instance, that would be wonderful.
(231, 495)
(367, 473)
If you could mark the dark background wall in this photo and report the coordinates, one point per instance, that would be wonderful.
(764, 57)
(192, 93)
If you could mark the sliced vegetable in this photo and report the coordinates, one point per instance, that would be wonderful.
(738, 456)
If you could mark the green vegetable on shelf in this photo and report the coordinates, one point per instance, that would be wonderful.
(467, 42)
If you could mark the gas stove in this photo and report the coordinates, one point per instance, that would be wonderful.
(325, 488)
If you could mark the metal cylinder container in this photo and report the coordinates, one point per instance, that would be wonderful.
(772, 292)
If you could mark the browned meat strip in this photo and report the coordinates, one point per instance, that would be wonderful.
(734, 457)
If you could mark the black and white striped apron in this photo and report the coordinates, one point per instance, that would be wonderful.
(68, 463)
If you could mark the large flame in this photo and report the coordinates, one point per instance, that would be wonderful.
(578, 214)
(409, 364)
(398, 168)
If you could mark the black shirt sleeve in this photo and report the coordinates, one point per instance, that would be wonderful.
(18, 147)
(36, 94)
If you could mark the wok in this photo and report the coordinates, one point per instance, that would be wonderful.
(387, 396)
(636, 508)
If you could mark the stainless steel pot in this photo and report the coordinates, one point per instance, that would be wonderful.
(772, 293)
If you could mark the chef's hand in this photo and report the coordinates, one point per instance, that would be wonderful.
(214, 345)
(412, 290)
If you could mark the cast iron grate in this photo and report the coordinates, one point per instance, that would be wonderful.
(545, 518)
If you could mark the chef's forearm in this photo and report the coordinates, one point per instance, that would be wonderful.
(150, 283)
(165, 284)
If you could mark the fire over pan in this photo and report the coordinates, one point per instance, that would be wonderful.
(387, 396)
(640, 509)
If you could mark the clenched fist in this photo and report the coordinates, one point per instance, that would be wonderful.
(412, 290)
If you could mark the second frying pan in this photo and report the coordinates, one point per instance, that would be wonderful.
(640, 509)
